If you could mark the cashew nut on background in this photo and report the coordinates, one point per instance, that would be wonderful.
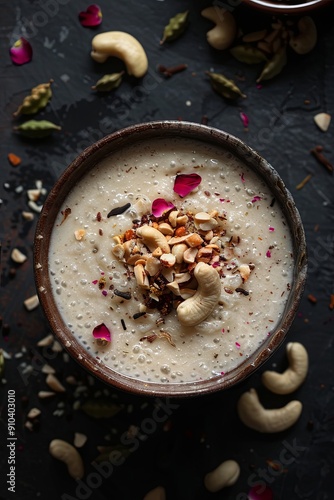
(254, 415)
(197, 308)
(222, 35)
(65, 452)
(306, 39)
(226, 474)
(294, 376)
(125, 47)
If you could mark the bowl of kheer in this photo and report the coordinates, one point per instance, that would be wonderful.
(170, 259)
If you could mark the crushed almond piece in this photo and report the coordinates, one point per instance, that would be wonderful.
(79, 234)
(13, 159)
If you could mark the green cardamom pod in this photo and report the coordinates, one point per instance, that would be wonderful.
(108, 82)
(248, 54)
(225, 87)
(38, 99)
(99, 408)
(37, 129)
(274, 66)
(2, 363)
(175, 27)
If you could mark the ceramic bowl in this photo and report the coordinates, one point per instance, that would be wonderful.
(286, 6)
(84, 163)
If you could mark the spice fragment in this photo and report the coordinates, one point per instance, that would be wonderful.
(119, 210)
(304, 181)
(331, 302)
(13, 159)
(171, 70)
(124, 295)
(312, 298)
(317, 153)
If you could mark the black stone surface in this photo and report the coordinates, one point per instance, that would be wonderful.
(178, 444)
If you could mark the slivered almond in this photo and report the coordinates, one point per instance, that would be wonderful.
(54, 383)
(174, 287)
(166, 229)
(173, 217)
(167, 259)
(244, 271)
(141, 276)
(157, 252)
(79, 234)
(194, 240)
(17, 256)
(179, 250)
(189, 255)
(182, 277)
(322, 120)
(119, 251)
(153, 266)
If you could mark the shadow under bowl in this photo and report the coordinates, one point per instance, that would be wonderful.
(83, 164)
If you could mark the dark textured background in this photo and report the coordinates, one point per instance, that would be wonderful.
(199, 433)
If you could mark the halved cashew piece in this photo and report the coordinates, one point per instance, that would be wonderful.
(306, 39)
(124, 46)
(196, 309)
(254, 415)
(222, 35)
(294, 376)
(153, 238)
(224, 475)
(64, 451)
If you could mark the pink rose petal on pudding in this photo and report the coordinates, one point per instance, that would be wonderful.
(185, 183)
(102, 332)
(256, 198)
(242, 177)
(268, 254)
(160, 206)
(91, 17)
(21, 52)
(271, 228)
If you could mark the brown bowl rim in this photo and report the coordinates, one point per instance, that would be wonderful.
(83, 162)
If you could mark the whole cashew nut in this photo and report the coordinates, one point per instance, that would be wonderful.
(306, 39)
(294, 376)
(197, 308)
(222, 35)
(153, 238)
(64, 451)
(254, 415)
(124, 46)
(224, 475)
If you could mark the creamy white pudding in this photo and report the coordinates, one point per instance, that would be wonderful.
(245, 240)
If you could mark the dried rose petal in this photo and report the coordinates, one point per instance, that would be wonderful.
(268, 254)
(91, 17)
(242, 177)
(271, 228)
(258, 493)
(21, 52)
(160, 206)
(256, 198)
(102, 332)
(185, 183)
(244, 119)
